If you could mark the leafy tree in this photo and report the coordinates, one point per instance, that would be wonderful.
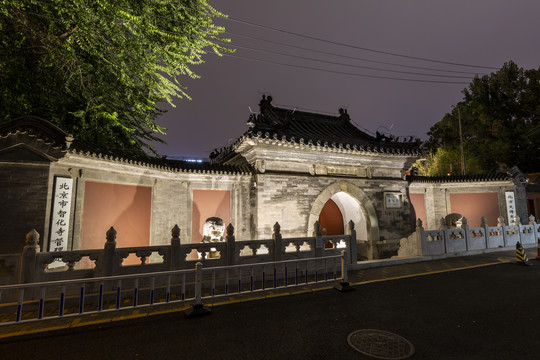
(98, 69)
(445, 161)
(500, 116)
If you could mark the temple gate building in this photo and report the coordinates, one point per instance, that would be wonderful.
(290, 167)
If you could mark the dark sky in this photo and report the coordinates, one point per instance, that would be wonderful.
(485, 33)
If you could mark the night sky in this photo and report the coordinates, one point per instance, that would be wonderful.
(483, 33)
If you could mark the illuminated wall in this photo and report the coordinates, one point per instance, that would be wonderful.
(206, 204)
(418, 208)
(125, 207)
(475, 205)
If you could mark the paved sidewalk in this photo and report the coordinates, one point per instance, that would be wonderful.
(372, 273)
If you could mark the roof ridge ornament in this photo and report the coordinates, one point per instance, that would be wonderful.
(265, 104)
(343, 115)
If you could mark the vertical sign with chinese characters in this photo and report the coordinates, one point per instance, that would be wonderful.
(60, 215)
(510, 206)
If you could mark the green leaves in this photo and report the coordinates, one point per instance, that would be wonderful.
(500, 115)
(99, 68)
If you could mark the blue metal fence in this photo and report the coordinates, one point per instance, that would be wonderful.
(56, 299)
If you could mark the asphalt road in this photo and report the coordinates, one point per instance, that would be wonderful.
(489, 312)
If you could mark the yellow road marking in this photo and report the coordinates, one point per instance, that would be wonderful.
(94, 322)
(428, 273)
(127, 317)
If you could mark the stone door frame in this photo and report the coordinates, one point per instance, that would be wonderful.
(372, 222)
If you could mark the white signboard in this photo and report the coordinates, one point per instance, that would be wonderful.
(60, 216)
(392, 200)
(510, 206)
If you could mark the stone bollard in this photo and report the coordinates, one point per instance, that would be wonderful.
(198, 309)
(344, 285)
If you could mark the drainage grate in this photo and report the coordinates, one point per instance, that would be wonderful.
(380, 344)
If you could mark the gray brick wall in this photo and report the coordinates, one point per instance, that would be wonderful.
(23, 201)
(290, 199)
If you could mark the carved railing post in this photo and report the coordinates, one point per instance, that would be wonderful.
(176, 260)
(483, 222)
(442, 224)
(485, 226)
(319, 242)
(501, 224)
(419, 237)
(231, 246)
(278, 242)
(521, 230)
(446, 234)
(317, 229)
(29, 258)
(535, 227)
(318, 234)
(465, 227)
(352, 233)
(109, 263)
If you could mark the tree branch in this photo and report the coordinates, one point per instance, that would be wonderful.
(67, 33)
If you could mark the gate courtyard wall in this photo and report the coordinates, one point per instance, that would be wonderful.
(439, 198)
(293, 199)
(268, 177)
(171, 192)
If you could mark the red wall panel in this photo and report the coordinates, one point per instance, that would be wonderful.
(418, 209)
(473, 206)
(206, 204)
(125, 207)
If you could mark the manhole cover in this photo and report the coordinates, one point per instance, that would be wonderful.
(380, 344)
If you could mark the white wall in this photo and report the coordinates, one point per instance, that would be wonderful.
(351, 210)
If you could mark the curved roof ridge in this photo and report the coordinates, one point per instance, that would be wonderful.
(170, 165)
(460, 178)
(39, 127)
(313, 128)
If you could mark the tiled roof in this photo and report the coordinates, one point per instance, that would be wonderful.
(38, 127)
(460, 178)
(316, 129)
(168, 164)
(49, 133)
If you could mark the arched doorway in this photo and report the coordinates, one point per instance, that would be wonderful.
(353, 204)
(331, 219)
